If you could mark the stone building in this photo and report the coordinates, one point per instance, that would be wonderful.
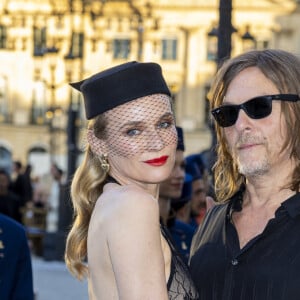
(44, 44)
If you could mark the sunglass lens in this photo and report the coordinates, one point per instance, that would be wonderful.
(226, 115)
(258, 108)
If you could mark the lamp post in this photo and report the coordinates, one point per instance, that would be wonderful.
(54, 113)
(73, 120)
(65, 208)
(212, 43)
(223, 33)
(249, 41)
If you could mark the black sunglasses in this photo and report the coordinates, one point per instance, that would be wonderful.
(256, 108)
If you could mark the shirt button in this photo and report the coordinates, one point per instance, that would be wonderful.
(234, 262)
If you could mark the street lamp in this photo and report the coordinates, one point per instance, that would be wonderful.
(52, 56)
(212, 44)
(249, 41)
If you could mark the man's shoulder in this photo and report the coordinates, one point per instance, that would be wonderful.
(218, 209)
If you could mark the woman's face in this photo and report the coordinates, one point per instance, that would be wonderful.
(142, 139)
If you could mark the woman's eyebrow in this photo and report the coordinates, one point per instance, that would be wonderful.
(167, 114)
(132, 123)
(142, 122)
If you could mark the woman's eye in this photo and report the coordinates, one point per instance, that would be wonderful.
(133, 132)
(165, 124)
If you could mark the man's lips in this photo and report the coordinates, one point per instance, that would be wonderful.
(247, 146)
(157, 161)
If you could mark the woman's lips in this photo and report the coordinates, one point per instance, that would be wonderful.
(159, 161)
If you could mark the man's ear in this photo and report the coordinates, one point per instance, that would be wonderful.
(98, 146)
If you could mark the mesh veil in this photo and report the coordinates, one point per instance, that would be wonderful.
(145, 124)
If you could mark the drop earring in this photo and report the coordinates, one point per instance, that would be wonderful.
(104, 163)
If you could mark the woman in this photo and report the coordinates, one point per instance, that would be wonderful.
(131, 148)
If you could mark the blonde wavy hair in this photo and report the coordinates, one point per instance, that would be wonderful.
(86, 187)
(283, 69)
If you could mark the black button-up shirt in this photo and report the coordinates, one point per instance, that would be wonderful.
(266, 268)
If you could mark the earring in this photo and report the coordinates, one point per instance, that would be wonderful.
(104, 163)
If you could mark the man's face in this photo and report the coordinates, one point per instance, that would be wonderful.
(255, 144)
(172, 187)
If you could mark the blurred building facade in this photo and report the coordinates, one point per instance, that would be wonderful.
(44, 44)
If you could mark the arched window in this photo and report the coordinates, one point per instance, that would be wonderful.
(5, 158)
(39, 159)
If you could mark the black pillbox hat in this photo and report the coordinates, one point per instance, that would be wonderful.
(120, 84)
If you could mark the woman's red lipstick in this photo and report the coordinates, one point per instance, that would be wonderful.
(157, 161)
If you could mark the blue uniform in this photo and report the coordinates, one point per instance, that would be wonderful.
(182, 235)
(15, 262)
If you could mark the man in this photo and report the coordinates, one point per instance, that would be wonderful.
(248, 247)
(21, 184)
(16, 282)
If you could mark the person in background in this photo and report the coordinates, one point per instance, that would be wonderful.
(181, 232)
(54, 198)
(198, 206)
(171, 188)
(182, 205)
(200, 160)
(16, 279)
(174, 199)
(131, 148)
(28, 184)
(248, 246)
(21, 184)
(10, 203)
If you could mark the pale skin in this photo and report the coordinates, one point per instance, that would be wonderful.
(128, 258)
(255, 145)
(127, 261)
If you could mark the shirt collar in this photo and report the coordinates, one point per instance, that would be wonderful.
(235, 202)
(291, 205)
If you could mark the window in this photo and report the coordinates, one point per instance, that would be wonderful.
(3, 37)
(3, 100)
(39, 41)
(38, 109)
(5, 158)
(262, 44)
(77, 44)
(169, 49)
(121, 48)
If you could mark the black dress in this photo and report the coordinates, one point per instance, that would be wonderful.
(180, 284)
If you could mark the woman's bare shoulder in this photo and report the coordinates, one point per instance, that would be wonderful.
(124, 201)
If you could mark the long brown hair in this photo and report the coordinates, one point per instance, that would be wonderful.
(283, 69)
(86, 187)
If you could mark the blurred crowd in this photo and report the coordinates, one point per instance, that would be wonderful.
(20, 192)
(186, 195)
